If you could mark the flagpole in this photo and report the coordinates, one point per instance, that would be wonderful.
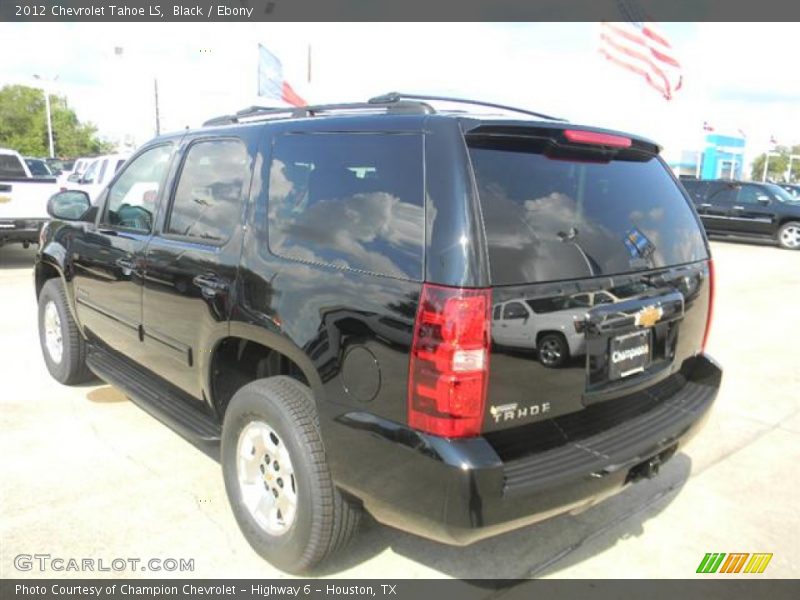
(309, 63)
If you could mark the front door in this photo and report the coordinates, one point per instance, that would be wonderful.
(753, 213)
(109, 256)
(192, 263)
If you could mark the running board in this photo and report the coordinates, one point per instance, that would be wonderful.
(159, 398)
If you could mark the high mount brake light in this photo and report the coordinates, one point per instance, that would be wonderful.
(449, 368)
(711, 286)
(579, 136)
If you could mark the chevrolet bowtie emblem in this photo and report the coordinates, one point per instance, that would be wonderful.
(649, 316)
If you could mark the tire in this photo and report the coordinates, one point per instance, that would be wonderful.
(789, 235)
(552, 350)
(57, 329)
(322, 521)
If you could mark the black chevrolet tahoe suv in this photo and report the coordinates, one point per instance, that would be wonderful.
(314, 289)
(747, 209)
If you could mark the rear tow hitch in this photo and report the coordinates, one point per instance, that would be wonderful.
(649, 468)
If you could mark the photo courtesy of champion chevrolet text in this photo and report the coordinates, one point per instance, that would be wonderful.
(327, 298)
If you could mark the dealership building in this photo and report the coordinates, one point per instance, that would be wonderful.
(722, 158)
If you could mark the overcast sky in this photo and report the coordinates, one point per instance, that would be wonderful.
(736, 75)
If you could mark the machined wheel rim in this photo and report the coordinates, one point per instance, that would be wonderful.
(550, 352)
(266, 478)
(53, 339)
(790, 236)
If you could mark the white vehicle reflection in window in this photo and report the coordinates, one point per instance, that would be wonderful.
(551, 326)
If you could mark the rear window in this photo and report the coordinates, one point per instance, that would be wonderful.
(10, 166)
(553, 217)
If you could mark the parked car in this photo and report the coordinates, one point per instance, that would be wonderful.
(23, 200)
(79, 168)
(553, 326)
(312, 288)
(97, 175)
(747, 209)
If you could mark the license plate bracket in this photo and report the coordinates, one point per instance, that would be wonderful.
(629, 354)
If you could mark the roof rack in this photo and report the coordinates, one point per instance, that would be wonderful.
(259, 113)
(391, 97)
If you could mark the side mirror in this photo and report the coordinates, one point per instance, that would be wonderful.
(764, 200)
(68, 206)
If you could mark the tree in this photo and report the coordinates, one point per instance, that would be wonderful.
(776, 169)
(23, 125)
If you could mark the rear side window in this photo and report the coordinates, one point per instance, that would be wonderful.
(349, 200)
(697, 189)
(10, 166)
(208, 199)
(552, 217)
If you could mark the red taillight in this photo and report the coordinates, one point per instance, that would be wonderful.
(449, 368)
(710, 302)
(580, 136)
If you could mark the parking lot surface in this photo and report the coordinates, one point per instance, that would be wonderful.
(87, 474)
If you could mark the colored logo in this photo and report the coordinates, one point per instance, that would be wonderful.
(649, 316)
(741, 562)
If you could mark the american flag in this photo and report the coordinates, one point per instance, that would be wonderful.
(707, 126)
(772, 140)
(639, 47)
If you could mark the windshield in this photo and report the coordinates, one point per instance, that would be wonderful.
(549, 217)
(91, 173)
(38, 168)
(781, 194)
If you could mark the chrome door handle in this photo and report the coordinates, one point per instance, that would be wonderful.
(738, 207)
(124, 263)
(706, 205)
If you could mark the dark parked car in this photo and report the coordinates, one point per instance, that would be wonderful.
(312, 289)
(747, 209)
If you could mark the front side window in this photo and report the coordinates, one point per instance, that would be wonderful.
(751, 194)
(133, 198)
(349, 200)
(208, 199)
(515, 310)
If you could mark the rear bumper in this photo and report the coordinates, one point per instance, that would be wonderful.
(461, 491)
(20, 230)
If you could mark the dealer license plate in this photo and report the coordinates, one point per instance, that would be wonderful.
(629, 354)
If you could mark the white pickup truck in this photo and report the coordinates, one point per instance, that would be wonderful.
(23, 200)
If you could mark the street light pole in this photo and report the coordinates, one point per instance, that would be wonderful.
(49, 116)
(789, 170)
(766, 164)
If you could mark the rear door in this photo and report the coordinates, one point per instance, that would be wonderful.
(717, 206)
(605, 232)
(192, 263)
